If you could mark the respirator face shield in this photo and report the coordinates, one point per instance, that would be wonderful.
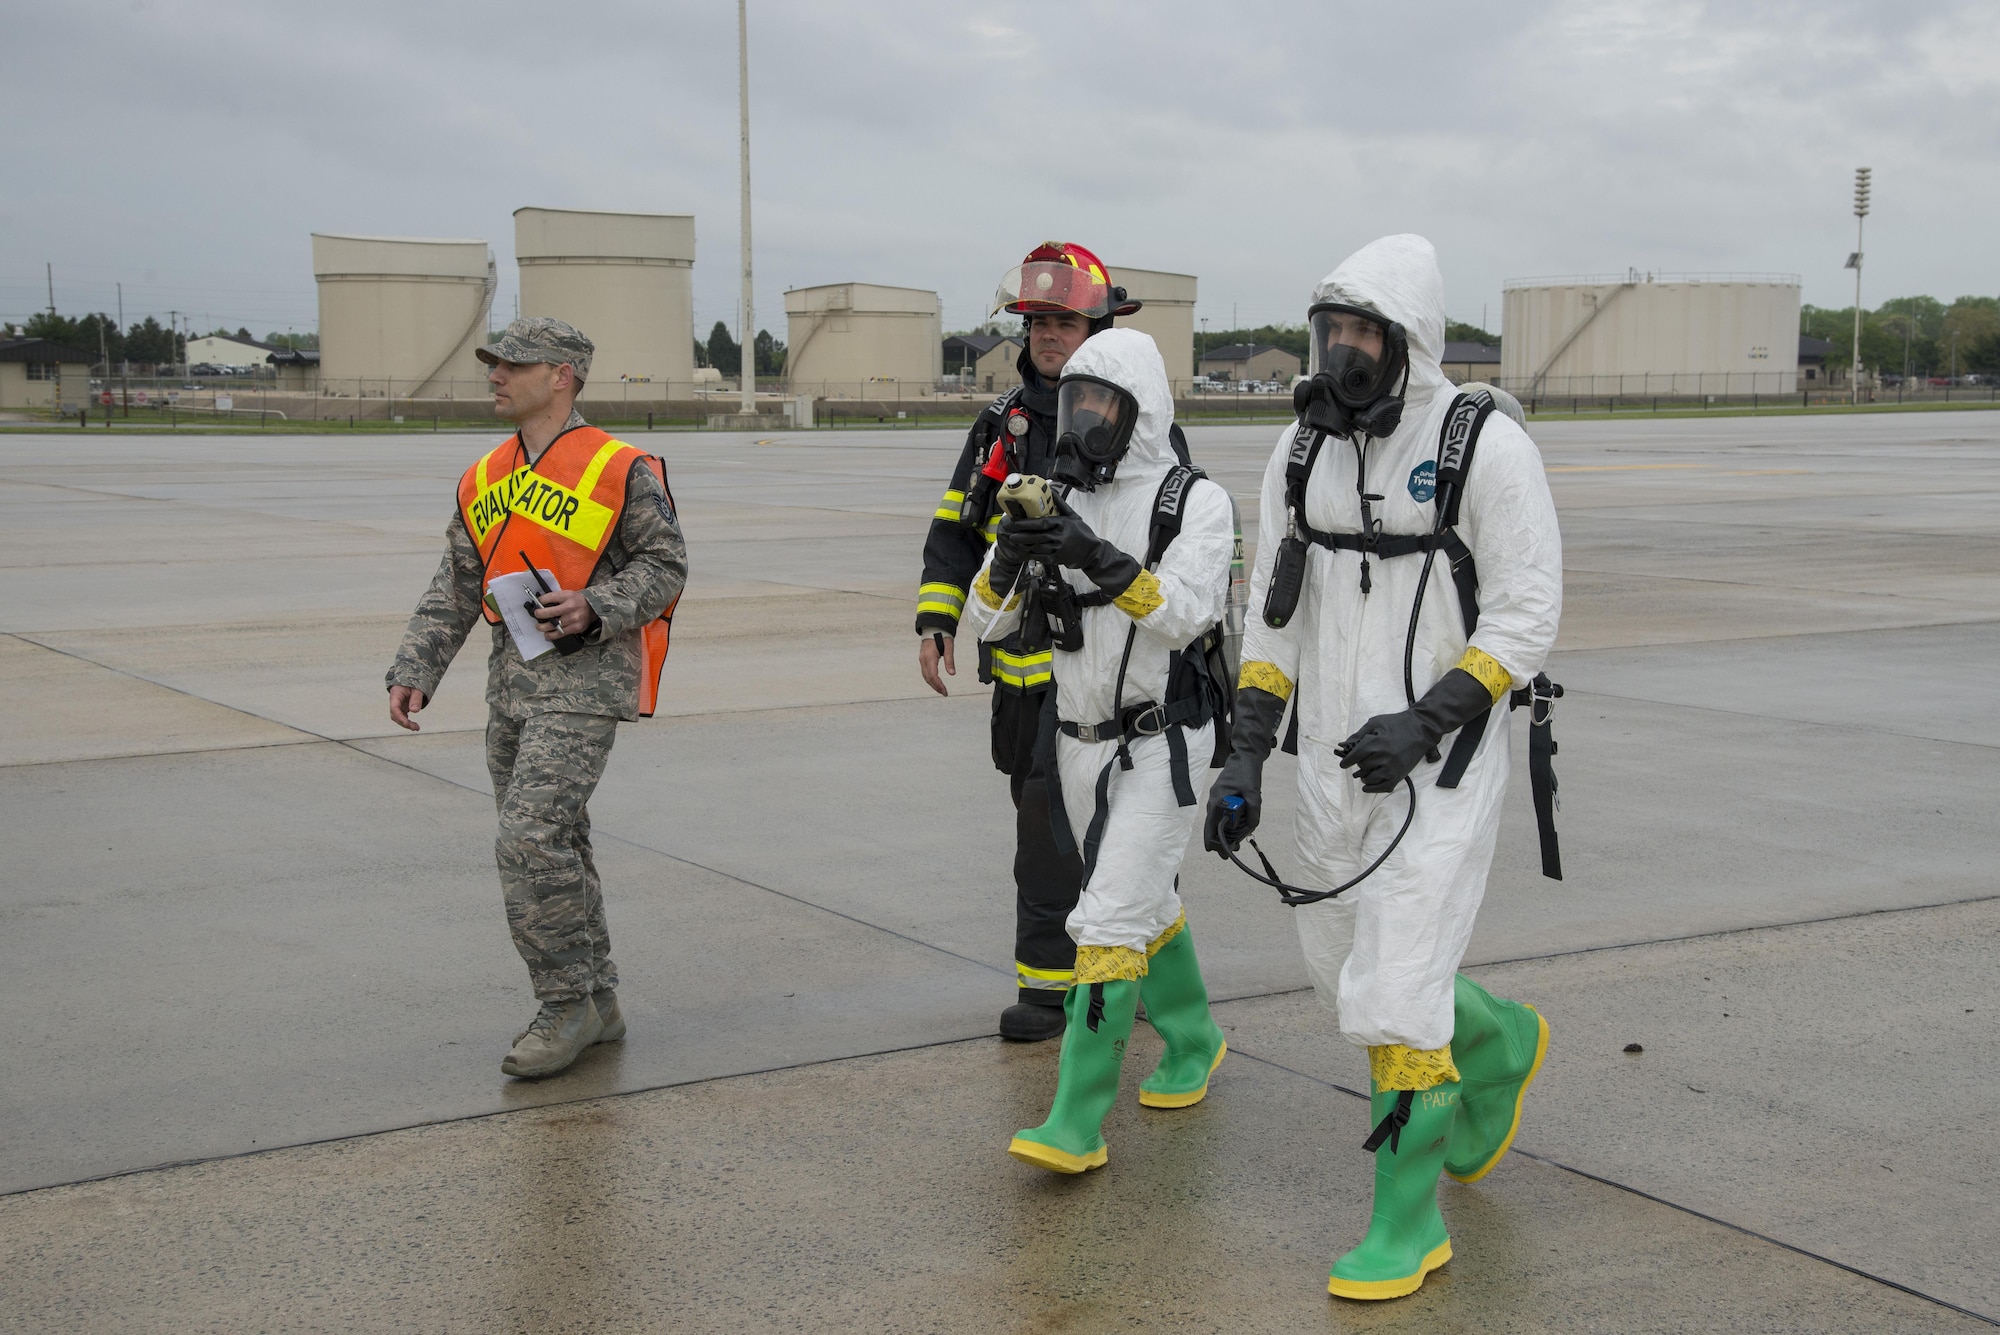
(1360, 368)
(1094, 424)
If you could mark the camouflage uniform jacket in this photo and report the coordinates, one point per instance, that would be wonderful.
(644, 567)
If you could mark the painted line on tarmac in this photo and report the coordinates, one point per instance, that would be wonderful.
(1661, 1200)
(1731, 931)
(349, 1136)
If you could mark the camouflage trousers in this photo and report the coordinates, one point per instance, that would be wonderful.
(544, 770)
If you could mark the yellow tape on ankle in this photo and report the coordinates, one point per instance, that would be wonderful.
(1108, 964)
(1393, 1066)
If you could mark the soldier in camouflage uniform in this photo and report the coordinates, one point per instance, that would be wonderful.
(553, 717)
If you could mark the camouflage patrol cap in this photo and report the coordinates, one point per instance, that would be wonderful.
(541, 339)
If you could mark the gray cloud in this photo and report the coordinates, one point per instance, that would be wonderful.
(188, 149)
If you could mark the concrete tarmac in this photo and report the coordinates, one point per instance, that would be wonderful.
(250, 936)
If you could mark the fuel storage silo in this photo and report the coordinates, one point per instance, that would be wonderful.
(1642, 333)
(400, 316)
(858, 340)
(1167, 314)
(626, 280)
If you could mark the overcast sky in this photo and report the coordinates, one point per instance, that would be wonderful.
(189, 149)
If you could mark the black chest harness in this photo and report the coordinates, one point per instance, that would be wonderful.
(1457, 441)
(1198, 687)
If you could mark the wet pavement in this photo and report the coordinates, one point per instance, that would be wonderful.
(249, 928)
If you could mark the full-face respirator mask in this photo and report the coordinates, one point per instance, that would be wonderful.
(1361, 369)
(1094, 423)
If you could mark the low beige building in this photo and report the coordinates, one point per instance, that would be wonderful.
(296, 370)
(1470, 361)
(863, 340)
(227, 350)
(38, 373)
(984, 362)
(1250, 361)
(1167, 314)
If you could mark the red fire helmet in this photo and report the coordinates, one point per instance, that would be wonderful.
(1061, 276)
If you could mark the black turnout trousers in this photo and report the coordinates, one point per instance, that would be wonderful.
(1046, 882)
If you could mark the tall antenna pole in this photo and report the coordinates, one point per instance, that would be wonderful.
(746, 336)
(52, 287)
(1861, 175)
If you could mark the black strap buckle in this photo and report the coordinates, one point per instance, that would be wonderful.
(1146, 720)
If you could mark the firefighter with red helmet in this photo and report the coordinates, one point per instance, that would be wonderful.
(1064, 294)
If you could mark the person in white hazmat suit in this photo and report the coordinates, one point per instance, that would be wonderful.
(1449, 1063)
(1131, 710)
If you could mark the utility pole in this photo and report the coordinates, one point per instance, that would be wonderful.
(51, 268)
(1861, 175)
(746, 336)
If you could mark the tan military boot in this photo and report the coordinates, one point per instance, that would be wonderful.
(607, 1011)
(556, 1037)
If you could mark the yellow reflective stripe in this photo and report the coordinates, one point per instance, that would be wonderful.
(1104, 964)
(949, 507)
(1023, 670)
(491, 504)
(992, 529)
(526, 493)
(1141, 597)
(1497, 680)
(1265, 677)
(1049, 980)
(587, 484)
(947, 599)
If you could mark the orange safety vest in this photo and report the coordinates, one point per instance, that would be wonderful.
(568, 503)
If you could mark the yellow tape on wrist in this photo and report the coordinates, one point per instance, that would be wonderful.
(1141, 596)
(1265, 677)
(1497, 680)
(983, 590)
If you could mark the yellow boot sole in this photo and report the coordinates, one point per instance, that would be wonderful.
(1055, 1160)
(1189, 1099)
(1541, 1051)
(1375, 1290)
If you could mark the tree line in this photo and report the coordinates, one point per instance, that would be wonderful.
(1913, 335)
(725, 354)
(146, 342)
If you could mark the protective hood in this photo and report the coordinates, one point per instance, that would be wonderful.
(1397, 277)
(1131, 361)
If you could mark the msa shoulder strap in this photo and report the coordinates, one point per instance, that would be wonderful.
(1000, 405)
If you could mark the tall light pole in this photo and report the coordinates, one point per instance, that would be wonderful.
(1861, 175)
(746, 336)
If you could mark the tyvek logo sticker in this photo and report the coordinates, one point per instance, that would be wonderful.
(1424, 481)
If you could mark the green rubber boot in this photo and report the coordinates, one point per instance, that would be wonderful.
(1177, 1008)
(1498, 1048)
(1406, 1236)
(1093, 1049)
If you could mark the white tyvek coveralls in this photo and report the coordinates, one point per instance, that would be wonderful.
(1382, 955)
(1129, 898)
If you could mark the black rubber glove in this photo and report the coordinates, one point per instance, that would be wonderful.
(1384, 750)
(1253, 731)
(1009, 555)
(1065, 540)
